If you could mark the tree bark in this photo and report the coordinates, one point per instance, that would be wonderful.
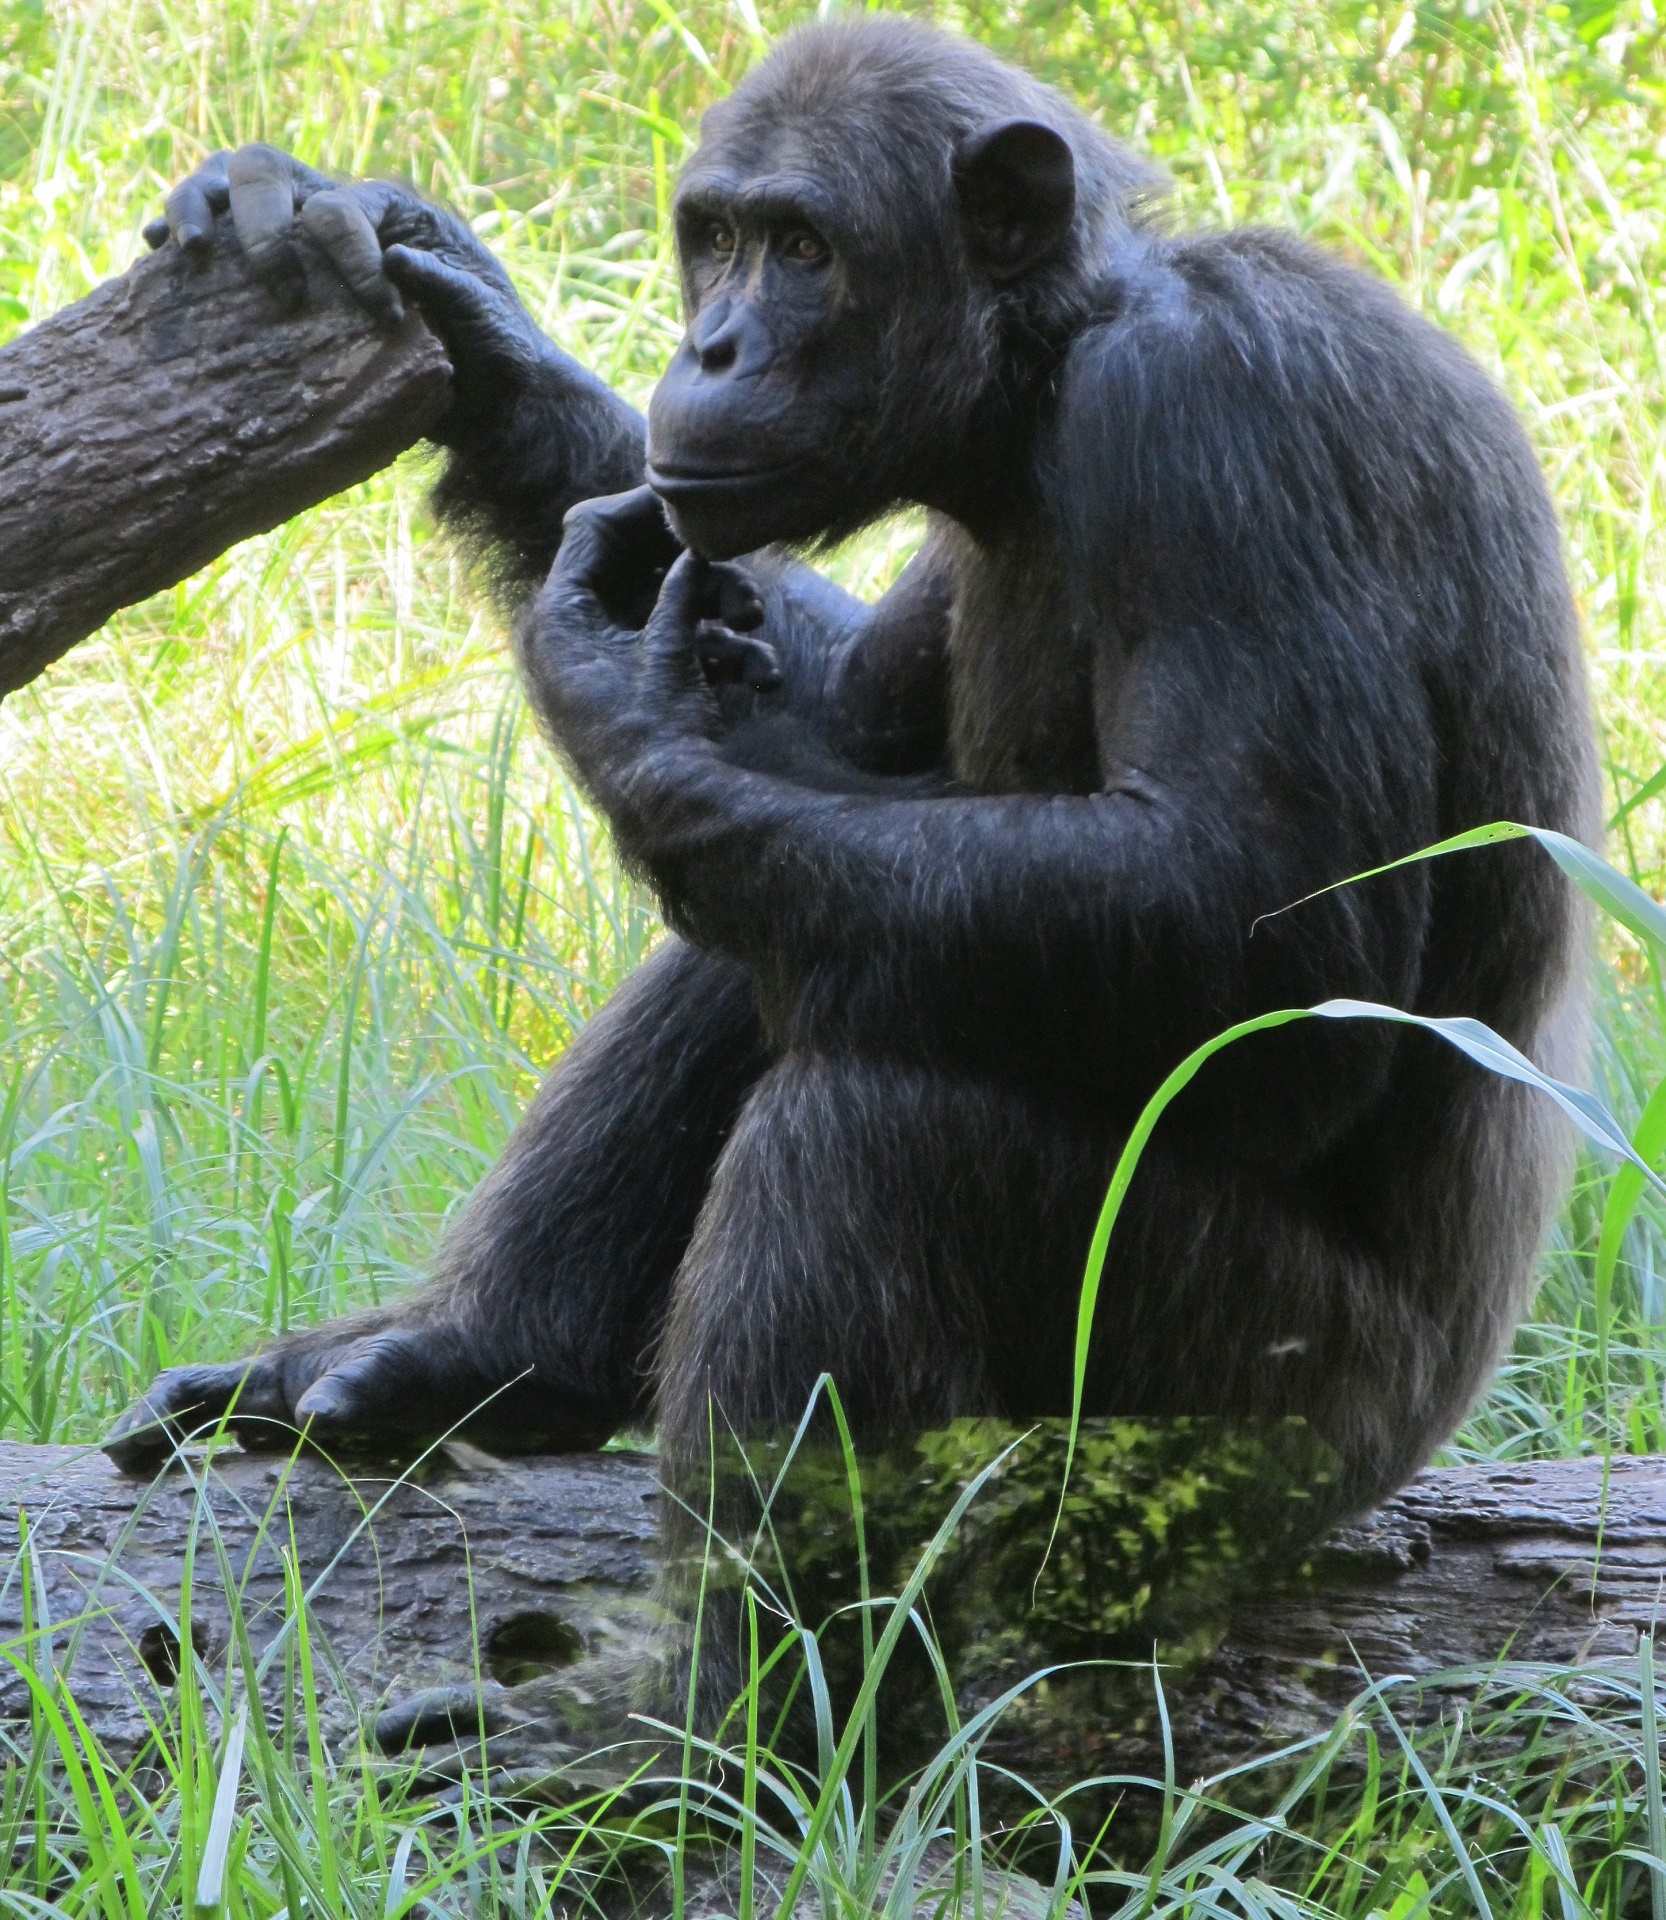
(509, 1568)
(177, 410)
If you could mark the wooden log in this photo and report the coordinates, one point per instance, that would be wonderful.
(533, 1561)
(174, 411)
(515, 1568)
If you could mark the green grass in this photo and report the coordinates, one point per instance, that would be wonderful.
(295, 908)
(243, 1081)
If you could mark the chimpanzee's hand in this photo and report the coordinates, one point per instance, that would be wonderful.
(627, 639)
(385, 242)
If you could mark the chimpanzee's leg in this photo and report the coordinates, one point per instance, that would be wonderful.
(918, 1234)
(914, 1234)
(550, 1290)
(857, 1221)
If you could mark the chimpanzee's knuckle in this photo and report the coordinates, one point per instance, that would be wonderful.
(601, 529)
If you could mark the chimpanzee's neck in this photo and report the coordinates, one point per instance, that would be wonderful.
(985, 480)
(984, 476)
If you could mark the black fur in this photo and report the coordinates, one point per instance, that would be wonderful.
(1240, 579)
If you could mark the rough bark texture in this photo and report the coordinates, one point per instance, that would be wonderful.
(175, 411)
(524, 1566)
(1463, 1568)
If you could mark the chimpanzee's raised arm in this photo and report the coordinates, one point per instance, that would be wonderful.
(532, 432)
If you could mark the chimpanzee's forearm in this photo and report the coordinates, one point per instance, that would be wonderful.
(531, 432)
(563, 438)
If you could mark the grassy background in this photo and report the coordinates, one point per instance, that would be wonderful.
(294, 910)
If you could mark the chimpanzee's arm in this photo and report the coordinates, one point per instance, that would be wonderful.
(1266, 730)
(561, 437)
(532, 432)
(1084, 939)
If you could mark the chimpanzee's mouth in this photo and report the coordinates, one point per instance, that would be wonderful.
(686, 483)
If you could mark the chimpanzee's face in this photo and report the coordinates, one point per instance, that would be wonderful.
(779, 366)
(843, 265)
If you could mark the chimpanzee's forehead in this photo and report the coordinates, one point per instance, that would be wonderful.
(831, 162)
(756, 136)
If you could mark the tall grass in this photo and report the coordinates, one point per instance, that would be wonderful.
(1537, 1792)
(294, 908)
(293, 905)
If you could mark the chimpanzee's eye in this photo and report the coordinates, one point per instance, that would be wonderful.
(808, 248)
(720, 237)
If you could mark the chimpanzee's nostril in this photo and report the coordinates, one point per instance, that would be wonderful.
(719, 357)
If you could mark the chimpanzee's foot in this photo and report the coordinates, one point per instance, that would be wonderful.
(185, 1400)
(558, 1737)
(371, 1379)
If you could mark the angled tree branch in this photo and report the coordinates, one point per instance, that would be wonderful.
(177, 410)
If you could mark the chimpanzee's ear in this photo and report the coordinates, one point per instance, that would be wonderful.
(1016, 181)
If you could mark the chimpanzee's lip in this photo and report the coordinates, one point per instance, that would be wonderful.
(683, 483)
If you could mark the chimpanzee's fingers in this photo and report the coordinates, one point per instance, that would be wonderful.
(186, 1399)
(671, 639)
(262, 193)
(596, 529)
(189, 210)
(481, 321)
(617, 549)
(336, 221)
(156, 232)
(582, 555)
(381, 1382)
(683, 600)
(450, 297)
(729, 657)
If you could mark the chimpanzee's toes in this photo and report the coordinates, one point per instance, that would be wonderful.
(184, 1400)
(736, 602)
(379, 1383)
(624, 1783)
(560, 1738)
(727, 657)
(138, 1441)
(462, 1734)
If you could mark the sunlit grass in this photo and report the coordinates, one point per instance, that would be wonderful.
(295, 908)
(1512, 1790)
(187, 1161)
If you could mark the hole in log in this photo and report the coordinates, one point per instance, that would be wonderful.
(159, 1650)
(528, 1644)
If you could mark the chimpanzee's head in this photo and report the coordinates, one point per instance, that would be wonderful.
(882, 227)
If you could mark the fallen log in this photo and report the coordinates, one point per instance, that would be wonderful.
(511, 1569)
(177, 410)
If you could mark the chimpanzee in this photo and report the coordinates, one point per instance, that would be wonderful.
(1240, 579)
